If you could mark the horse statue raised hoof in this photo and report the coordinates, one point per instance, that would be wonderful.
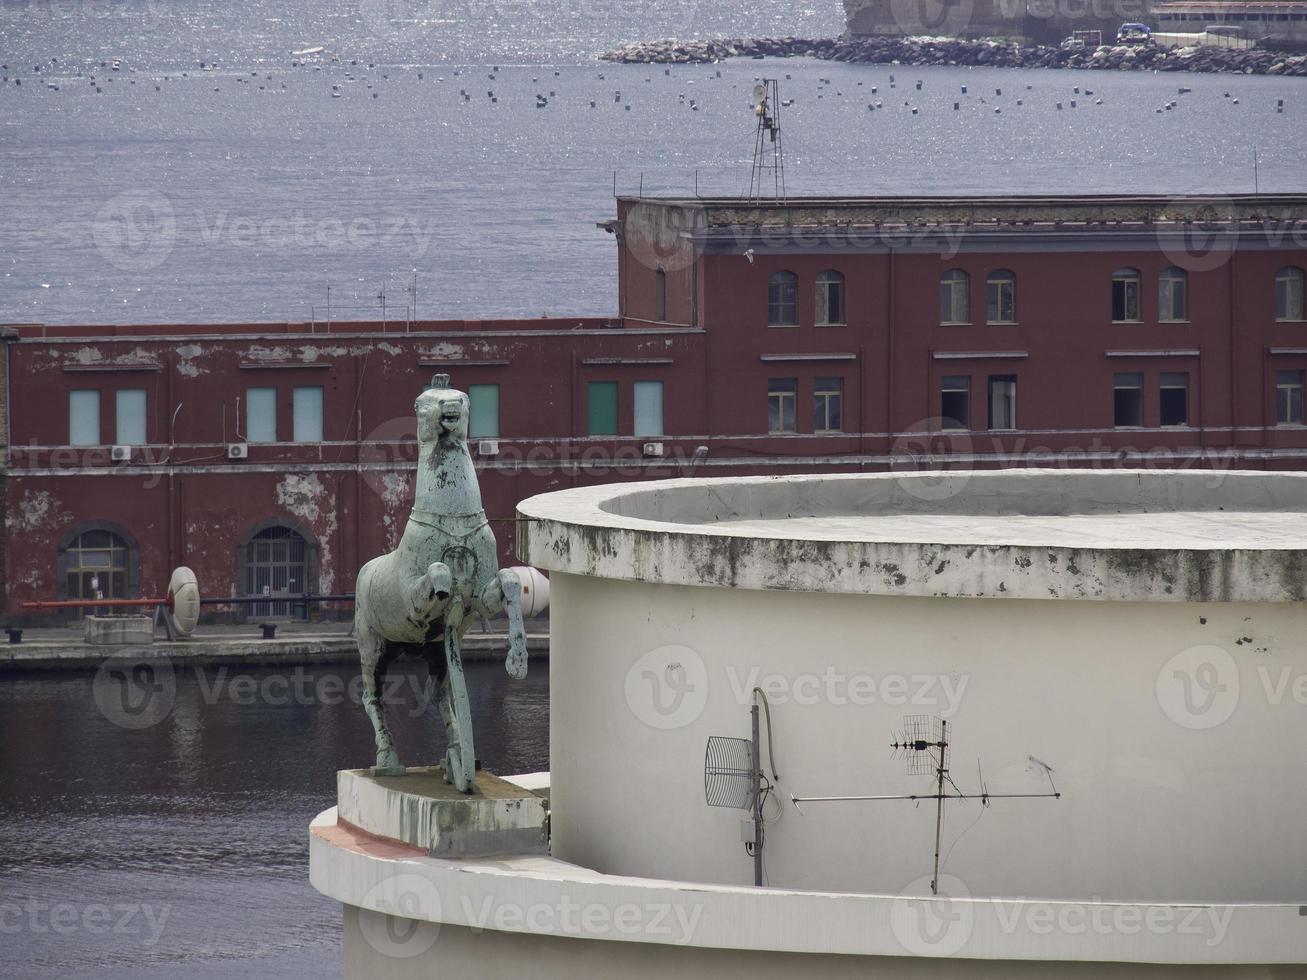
(420, 598)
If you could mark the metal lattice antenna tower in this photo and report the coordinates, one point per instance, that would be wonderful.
(768, 147)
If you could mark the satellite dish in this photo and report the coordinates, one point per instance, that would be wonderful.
(760, 94)
(185, 594)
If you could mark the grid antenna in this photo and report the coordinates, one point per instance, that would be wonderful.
(923, 742)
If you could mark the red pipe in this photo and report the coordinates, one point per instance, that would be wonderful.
(97, 603)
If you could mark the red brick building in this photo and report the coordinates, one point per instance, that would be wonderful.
(820, 335)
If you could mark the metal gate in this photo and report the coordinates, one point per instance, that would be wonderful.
(276, 566)
(95, 568)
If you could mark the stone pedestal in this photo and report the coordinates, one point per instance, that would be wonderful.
(422, 810)
(119, 630)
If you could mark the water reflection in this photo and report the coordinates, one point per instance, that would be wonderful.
(184, 845)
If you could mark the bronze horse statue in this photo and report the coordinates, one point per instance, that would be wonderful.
(420, 598)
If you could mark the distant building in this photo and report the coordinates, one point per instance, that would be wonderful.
(820, 335)
(1277, 23)
(1271, 23)
(1036, 21)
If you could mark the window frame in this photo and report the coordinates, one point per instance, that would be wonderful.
(992, 382)
(1285, 277)
(1162, 388)
(297, 419)
(1126, 277)
(1281, 387)
(271, 392)
(777, 304)
(119, 411)
(647, 386)
(475, 420)
(74, 413)
(822, 399)
(593, 387)
(1138, 387)
(830, 281)
(956, 282)
(1178, 281)
(783, 396)
(997, 283)
(961, 383)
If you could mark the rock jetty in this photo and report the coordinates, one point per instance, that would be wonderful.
(948, 51)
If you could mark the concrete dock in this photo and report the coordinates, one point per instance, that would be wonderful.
(295, 643)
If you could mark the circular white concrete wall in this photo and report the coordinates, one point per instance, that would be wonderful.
(1140, 633)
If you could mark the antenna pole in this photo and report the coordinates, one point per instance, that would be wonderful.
(942, 772)
(1256, 178)
(757, 797)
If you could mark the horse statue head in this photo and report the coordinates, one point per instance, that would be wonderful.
(442, 415)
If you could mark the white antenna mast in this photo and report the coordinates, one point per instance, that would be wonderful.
(768, 150)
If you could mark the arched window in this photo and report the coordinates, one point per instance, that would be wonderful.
(954, 304)
(1001, 297)
(1125, 296)
(660, 295)
(1173, 294)
(782, 299)
(277, 559)
(830, 298)
(1289, 293)
(99, 560)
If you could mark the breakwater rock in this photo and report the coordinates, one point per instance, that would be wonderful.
(948, 51)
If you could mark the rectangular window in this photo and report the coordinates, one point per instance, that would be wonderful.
(1288, 397)
(953, 305)
(828, 405)
(260, 414)
(782, 399)
(1175, 398)
(1125, 299)
(955, 401)
(1002, 401)
(129, 417)
(783, 299)
(307, 414)
(1001, 295)
(1128, 400)
(483, 404)
(84, 418)
(1171, 299)
(648, 408)
(830, 299)
(660, 295)
(602, 403)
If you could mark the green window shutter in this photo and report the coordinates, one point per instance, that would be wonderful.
(484, 400)
(603, 408)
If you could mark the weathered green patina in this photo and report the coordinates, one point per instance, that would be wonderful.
(420, 598)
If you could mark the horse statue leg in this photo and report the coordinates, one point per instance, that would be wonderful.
(455, 710)
(371, 651)
(504, 593)
(423, 602)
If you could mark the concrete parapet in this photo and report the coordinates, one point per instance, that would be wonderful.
(422, 810)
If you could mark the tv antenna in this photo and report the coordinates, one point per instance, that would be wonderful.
(924, 744)
(768, 148)
(733, 778)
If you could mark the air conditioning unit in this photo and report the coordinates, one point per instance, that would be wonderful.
(121, 454)
(237, 450)
(488, 447)
(653, 449)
